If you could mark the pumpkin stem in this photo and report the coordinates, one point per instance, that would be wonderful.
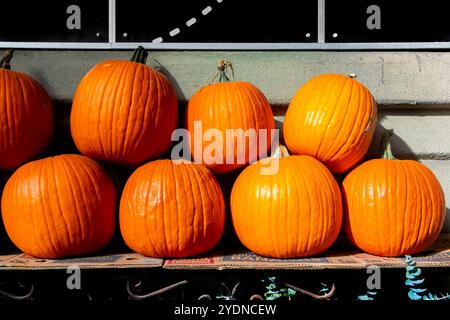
(387, 150)
(352, 76)
(5, 63)
(223, 66)
(280, 151)
(140, 55)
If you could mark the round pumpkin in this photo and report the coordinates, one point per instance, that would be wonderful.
(26, 116)
(393, 207)
(172, 210)
(223, 106)
(124, 112)
(59, 206)
(331, 118)
(295, 211)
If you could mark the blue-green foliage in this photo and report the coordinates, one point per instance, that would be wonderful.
(369, 296)
(274, 293)
(414, 282)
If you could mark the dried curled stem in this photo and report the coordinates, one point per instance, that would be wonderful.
(5, 63)
(224, 66)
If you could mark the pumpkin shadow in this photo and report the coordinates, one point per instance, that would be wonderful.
(446, 227)
(62, 139)
(229, 237)
(399, 146)
(173, 81)
(6, 245)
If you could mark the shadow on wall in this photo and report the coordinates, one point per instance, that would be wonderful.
(446, 227)
(397, 143)
(159, 67)
(6, 246)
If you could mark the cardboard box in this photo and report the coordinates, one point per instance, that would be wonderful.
(109, 261)
(438, 256)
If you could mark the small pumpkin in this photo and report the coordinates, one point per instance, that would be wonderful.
(295, 211)
(26, 116)
(124, 112)
(172, 210)
(393, 207)
(59, 206)
(331, 118)
(229, 105)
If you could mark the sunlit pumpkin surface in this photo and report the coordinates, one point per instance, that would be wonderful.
(172, 210)
(230, 105)
(59, 206)
(393, 207)
(296, 212)
(123, 112)
(331, 118)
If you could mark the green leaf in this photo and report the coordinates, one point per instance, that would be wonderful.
(418, 290)
(292, 292)
(410, 268)
(413, 283)
(271, 286)
(414, 296)
(413, 274)
(365, 298)
(288, 292)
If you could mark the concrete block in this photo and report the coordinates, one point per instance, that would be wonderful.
(442, 171)
(393, 77)
(419, 134)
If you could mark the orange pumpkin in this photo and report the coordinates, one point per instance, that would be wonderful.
(124, 112)
(172, 210)
(26, 116)
(59, 206)
(393, 207)
(226, 105)
(295, 211)
(331, 118)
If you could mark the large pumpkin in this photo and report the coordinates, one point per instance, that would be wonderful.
(224, 106)
(332, 118)
(393, 207)
(26, 116)
(294, 211)
(124, 112)
(172, 210)
(59, 206)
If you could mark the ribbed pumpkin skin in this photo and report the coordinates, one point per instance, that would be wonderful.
(229, 105)
(172, 210)
(123, 112)
(393, 207)
(331, 118)
(26, 118)
(294, 213)
(59, 206)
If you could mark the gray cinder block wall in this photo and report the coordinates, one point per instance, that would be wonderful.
(412, 88)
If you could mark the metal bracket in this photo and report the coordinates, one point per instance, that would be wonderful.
(134, 296)
(15, 296)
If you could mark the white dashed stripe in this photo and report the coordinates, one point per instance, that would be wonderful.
(189, 23)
